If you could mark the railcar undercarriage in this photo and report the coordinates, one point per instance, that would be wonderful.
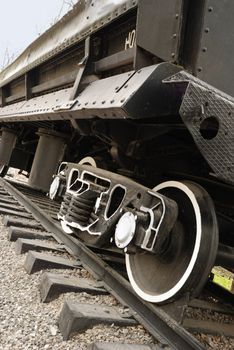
(133, 138)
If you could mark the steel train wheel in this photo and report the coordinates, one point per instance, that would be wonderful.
(191, 251)
(88, 161)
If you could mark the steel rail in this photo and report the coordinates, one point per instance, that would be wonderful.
(156, 321)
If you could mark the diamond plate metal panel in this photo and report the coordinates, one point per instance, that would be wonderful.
(201, 101)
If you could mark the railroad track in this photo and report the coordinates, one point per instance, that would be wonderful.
(30, 215)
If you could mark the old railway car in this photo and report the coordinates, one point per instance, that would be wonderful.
(130, 103)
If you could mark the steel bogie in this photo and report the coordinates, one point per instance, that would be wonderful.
(94, 203)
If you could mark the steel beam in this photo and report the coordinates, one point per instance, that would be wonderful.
(48, 155)
(7, 144)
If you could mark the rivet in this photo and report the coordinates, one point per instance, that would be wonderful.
(174, 36)
(210, 9)
(199, 69)
(103, 102)
(94, 102)
(122, 100)
(112, 101)
(204, 49)
(207, 30)
(173, 54)
(177, 16)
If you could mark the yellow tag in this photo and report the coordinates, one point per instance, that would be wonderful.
(223, 282)
(224, 278)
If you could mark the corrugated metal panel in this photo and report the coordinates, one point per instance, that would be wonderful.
(86, 17)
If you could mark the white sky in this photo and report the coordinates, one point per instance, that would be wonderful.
(21, 21)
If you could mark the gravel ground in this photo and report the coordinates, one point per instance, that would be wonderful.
(26, 323)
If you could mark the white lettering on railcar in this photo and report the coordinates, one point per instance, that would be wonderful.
(130, 40)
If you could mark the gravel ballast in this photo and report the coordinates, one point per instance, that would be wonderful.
(26, 323)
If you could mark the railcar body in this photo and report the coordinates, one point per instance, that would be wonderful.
(132, 102)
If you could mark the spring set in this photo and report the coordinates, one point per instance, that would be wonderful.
(65, 204)
(79, 209)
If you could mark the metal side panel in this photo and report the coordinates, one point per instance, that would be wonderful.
(215, 60)
(57, 105)
(159, 27)
(135, 94)
(86, 17)
(209, 45)
(37, 108)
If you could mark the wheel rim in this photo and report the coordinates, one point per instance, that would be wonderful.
(88, 161)
(161, 279)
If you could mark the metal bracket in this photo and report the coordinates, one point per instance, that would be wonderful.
(82, 65)
(74, 91)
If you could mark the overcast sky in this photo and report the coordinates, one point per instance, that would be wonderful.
(21, 21)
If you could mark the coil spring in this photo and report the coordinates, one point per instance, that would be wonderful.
(93, 217)
(65, 204)
(80, 209)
